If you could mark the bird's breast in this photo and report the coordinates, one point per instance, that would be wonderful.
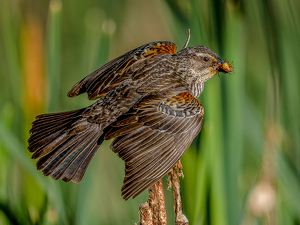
(196, 88)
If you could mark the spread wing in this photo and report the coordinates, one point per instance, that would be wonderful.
(110, 75)
(152, 137)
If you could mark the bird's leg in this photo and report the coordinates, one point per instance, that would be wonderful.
(174, 175)
(153, 211)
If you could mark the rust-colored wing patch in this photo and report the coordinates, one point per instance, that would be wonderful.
(160, 47)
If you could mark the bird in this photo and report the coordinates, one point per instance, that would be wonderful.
(146, 102)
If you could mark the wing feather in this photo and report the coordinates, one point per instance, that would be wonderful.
(166, 129)
(110, 75)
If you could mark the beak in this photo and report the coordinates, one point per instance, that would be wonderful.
(224, 67)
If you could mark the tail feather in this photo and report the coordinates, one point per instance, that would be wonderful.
(54, 119)
(83, 167)
(77, 162)
(73, 159)
(46, 145)
(64, 144)
(56, 156)
(40, 137)
(48, 127)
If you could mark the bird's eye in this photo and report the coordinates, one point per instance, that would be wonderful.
(205, 59)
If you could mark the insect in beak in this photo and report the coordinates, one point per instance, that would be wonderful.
(225, 67)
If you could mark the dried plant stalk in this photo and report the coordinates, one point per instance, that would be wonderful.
(174, 175)
(153, 211)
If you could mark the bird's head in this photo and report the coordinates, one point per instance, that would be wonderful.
(203, 64)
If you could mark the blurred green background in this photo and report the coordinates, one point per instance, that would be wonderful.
(243, 168)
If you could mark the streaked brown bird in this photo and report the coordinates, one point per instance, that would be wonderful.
(147, 104)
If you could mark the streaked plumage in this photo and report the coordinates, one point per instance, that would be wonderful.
(147, 103)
